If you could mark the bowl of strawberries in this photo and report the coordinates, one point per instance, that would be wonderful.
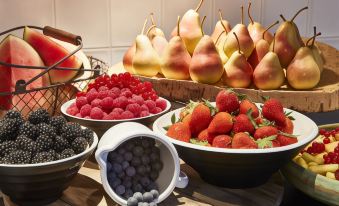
(234, 142)
(111, 100)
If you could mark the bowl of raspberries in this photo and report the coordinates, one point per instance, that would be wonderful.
(110, 100)
(234, 142)
(40, 155)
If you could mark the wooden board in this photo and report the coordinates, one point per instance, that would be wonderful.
(86, 190)
(323, 98)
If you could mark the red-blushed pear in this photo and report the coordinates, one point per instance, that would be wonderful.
(158, 42)
(190, 28)
(303, 72)
(317, 54)
(128, 59)
(238, 72)
(287, 40)
(219, 44)
(146, 61)
(269, 74)
(176, 59)
(154, 31)
(244, 38)
(261, 48)
(220, 28)
(206, 65)
(256, 29)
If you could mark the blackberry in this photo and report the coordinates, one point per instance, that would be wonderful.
(67, 153)
(60, 144)
(71, 131)
(79, 145)
(88, 135)
(29, 130)
(7, 147)
(44, 143)
(18, 157)
(45, 129)
(43, 157)
(39, 116)
(9, 129)
(58, 122)
(26, 144)
(12, 114)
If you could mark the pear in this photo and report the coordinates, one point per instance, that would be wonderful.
(288, 40)
(154, 31)
(238, 72)
(256, 30)
(206, 65)
(219, 44)
(157, 37)
(303, 72)
(262, 47)
(317, 54)
(146, 61)
(245, 39)
(128, 59)
(190, 28)
(269, 74)
(176, 59)
(220, 28)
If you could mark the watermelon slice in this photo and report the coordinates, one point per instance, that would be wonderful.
(14, 50)
(51, 52)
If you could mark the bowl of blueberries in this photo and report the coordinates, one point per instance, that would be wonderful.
(137, 166)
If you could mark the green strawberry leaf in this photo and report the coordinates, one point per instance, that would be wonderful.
(266, 123)
(241, 96)
(291, 118)
(266, 142)
(167, 127)
(198, 142)
(288, 115)
(288, 135)
(212, 108)
(173, 119)
(265, 98)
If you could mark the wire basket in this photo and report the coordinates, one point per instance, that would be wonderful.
(50, 97)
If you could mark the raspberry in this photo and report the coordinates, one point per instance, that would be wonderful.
(107, 103)
(118, 110)
(102, 88)
(120, 102)
(116, 90)
(126, 93)
(92, 90)
(72, 110)
(85, 110)
(115, 115)
(131, 101)
(96, 103)
(156, 110)
(144, 113)
(112, 94)
(138, 99)
(161, 103)
(80, 101)
(96, 113)
(144, 108)
(134, 108)
(127, 115)
(150, 104)
(103, 94)
(107, 117)
(91, 96)
(78, 115)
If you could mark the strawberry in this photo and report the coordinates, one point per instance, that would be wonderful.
(265, 131)
(276, 143)
(222, 141)
(247, 105)
(200, 119)
(273, 111)
(187, 119)
(221, 123)
(288, 127)
(259, 120)
(243, 124)
(179, 131)
(285, 140)
(205, 136)
(243, 141)
(227, 101)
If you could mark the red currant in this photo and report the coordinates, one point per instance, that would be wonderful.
(322, 131)
(336, 150)
(336, 174)
(333, 132)
(327, 134)
(326, 140)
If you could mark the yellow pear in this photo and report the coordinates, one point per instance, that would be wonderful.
(244, 37)
(128, 59)
(176, 59)
(146, 61)
(154, 30)
(317, 54)
(220, 28)
(219, 44)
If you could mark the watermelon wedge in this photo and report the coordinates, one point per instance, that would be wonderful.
(14, 50)
(51, 52)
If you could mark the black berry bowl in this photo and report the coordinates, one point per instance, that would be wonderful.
(239, 168)
(43, 183)
(101, 126)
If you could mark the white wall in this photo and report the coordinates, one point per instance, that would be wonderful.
(109, 26)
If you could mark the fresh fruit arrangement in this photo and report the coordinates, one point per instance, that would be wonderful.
(132, 170)
(40, 138)
(116, 98)
(237, 57)
(235, 122)
(322, 155)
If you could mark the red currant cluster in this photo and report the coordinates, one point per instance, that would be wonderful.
(316, 148)
(332, 157)
(327, 133)
(336, 174)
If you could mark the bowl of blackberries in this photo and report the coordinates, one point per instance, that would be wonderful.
(137, 167)
(40, 155)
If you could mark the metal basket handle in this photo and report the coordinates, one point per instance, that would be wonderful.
(62, 35)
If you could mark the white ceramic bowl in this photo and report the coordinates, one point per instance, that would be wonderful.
(101, 126)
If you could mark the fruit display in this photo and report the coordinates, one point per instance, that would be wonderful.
(117, 97)
(132, 170)
(233, 59)
(234, 122)
(40, 138)
(322, 155)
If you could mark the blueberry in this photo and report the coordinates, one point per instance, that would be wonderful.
(145, 142)
(152, 186)
(115, 182)
(136, 178)
(154, 157)
(128, 156)
(111, 176)
(117, 168)
(148, 197)
(152, 204)
(124, 165)
(154, 175)
(130, 171)
(119, 158)
(148, 151)
(137, 188)
(132, 201)
(156, 150)
(121, 151)
(145, 159)
(128, 193)
(138, 196)
(127, 183)
(111, 156)
(138, 151)
(121, 175)
(136, 161)
(141, 169)
(120, 190)
(145, 181)
(157, 166)
(108, 166)
(155, 193)
(129, 145)
(148, 168)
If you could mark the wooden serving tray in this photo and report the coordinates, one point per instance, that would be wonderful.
(323, 98)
